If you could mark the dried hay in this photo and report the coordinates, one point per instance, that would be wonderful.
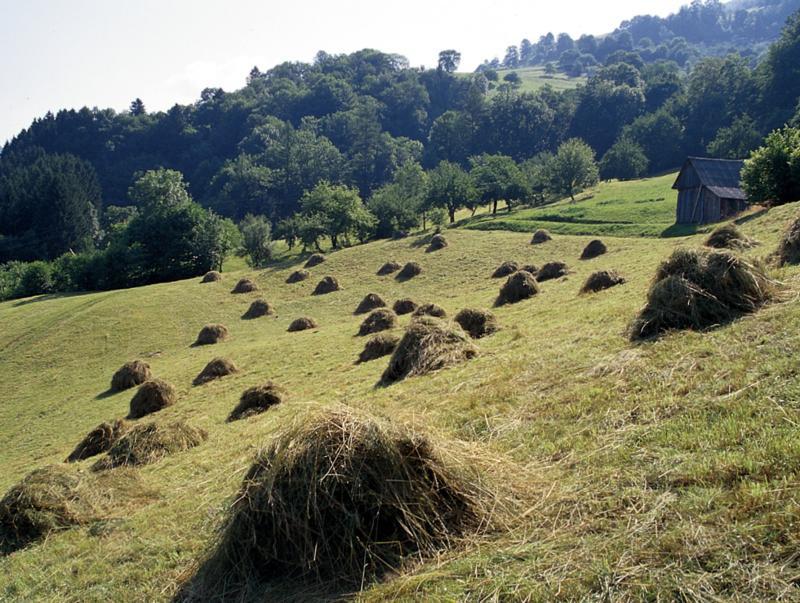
(552, 270)
(151, 397)
(603, 279)
(728, 236)
(388, 268)
(541, 236)
(520, 286)
(343, 498)
(314, 260)
(789, 247)
(437, 242)
(257, 309)
(302, 324)
(381, 319)
(505, 269)
(256, 400)
(150, 442)
(379, 346)
(99, 440)
(329, 284)
(477, 323)
(429, 344)
(404, 306)
(409, 271)
(211, 277)
(245, 285)
(594, 249)
(211, 334)
(130, 375)
(370, 302)
(216, 369)
(298, 276)
(430, 310)
(698, 289)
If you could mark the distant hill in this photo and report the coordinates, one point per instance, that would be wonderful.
(697, 30)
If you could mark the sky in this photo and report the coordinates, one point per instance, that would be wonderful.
(58, 54)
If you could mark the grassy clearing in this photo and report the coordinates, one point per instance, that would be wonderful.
(535, 78)
(666, 471)
(639, 208)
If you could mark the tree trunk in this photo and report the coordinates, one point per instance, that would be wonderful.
(494, 207)
(452, 212)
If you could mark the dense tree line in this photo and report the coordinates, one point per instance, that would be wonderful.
(355, 146)
(700, 29)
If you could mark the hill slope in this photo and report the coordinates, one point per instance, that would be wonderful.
(667, 470)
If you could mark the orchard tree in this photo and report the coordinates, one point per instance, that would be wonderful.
(772, 174)
(256, 234)
(496, 178)
(449, 60)
(338, 211)
(451, 188)
(625, 160)
(159, 188)
(573, 168)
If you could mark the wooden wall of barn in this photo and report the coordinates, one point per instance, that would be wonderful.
(698, 206)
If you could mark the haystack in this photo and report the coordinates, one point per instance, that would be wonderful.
(370, 302)
(728, 236)
(603, 279)
(257, 309)
(216, 369)
(429, 344)
(381, 319)
(437, 242)
(698, 289)
(379, 346)
(477, 323)
(211, 334)
(150, 442)
(430, 310)
(404, 306)
(46, 500)
(328, 284)
(541, 236)
(533, 269)
(314, 260)
(298, 276)
(256, 400)
(505, 269)
(388, 268)
(302, 324)
(552, 270)
(343, 498)
(789, 247)
(245, 285)
(410, 270)
(594, 249)
(99, 440)
(130, 375)
(519, 286)
(151, 397)
(211, 277)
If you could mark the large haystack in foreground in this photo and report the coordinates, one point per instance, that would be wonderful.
(429, 344)
(341, 498)
(698, 289)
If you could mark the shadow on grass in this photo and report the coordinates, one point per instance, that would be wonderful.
(680, 230)
(49, 296)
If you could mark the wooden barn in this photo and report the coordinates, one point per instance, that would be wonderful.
(709, 190)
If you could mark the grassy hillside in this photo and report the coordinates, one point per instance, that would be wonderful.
(535, 78)
(661, 471)
(640, 208)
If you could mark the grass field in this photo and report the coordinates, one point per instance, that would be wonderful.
(663, 471)
(535, 78)
(639, 208)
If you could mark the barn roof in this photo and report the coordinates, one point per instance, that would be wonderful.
(721, 176)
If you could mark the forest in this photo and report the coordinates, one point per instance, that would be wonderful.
(364, 145)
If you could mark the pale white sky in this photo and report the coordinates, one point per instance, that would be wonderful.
(69, 53)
